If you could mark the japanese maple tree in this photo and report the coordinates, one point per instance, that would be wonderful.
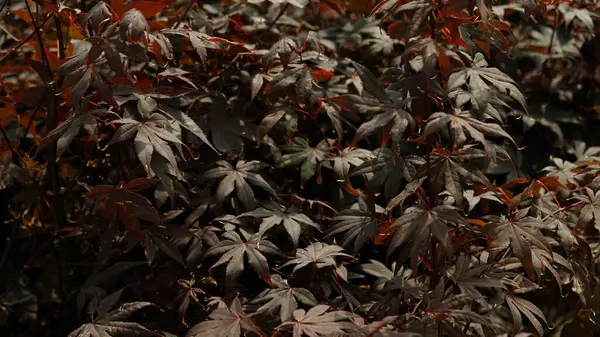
(299, 167)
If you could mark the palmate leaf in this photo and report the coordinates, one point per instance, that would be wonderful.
(126, 196)
(296, 3)
(226, 125)
(337, 121)
(224, 322)
(395, 288)
(201, 42)
(419, 11)
(417, 75)
(133, 25)
(319, 253)
(112, 323)
(298, 80)
(357, 224)
(543, 260)
(300, 153)
(462, 123)
(204, 202)
(202, 238)
(187, 292)
(480, 77)
(448, 309)
(347, 158)
(453, 171)
(518, 307)
(469, 276)
(380, 328)
(285, 49)
(391, 117)
(97, 15)
(591, 207)
(481, 102)
(564, 170)
(318, 322)
(414, 228)
(371, 83)
(273, 214)
(283, 297)
(379, 43)
(520, 232)
(388, 171)
(67, 131)
(383, 273)
(151, 136)
(233, 248)
(583, 17)
(185, 122)
(238, 179)
(281, 114)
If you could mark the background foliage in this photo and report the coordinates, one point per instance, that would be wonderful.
(299, 167)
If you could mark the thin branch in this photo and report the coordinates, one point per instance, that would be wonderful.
(59, 38)
(12, 150)
(22, 138)
(4, 5)
(11, 239)
(554, 28)
(281, 12)
(25, 40)
(51, 123)
(184, 14)
(40, 40)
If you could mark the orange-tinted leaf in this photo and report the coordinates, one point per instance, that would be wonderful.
(330, 9)
(552, 2)
(23, 15)
(485, 47)
(139, 184)
(321, 75)
(444, 63)
(350, 189)
(119, 7)
(48, 5)
(381, 238)
(355, 6)
(476, 222)
(101, 191)
(514, 183)
(54, 61)
(156, 25)
(548, 183)
(8, 114)
(148, 8)
(131, 222)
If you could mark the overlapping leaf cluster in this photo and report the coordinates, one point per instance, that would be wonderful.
(298, 167)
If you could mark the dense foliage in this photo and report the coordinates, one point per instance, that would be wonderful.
(299, 167)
